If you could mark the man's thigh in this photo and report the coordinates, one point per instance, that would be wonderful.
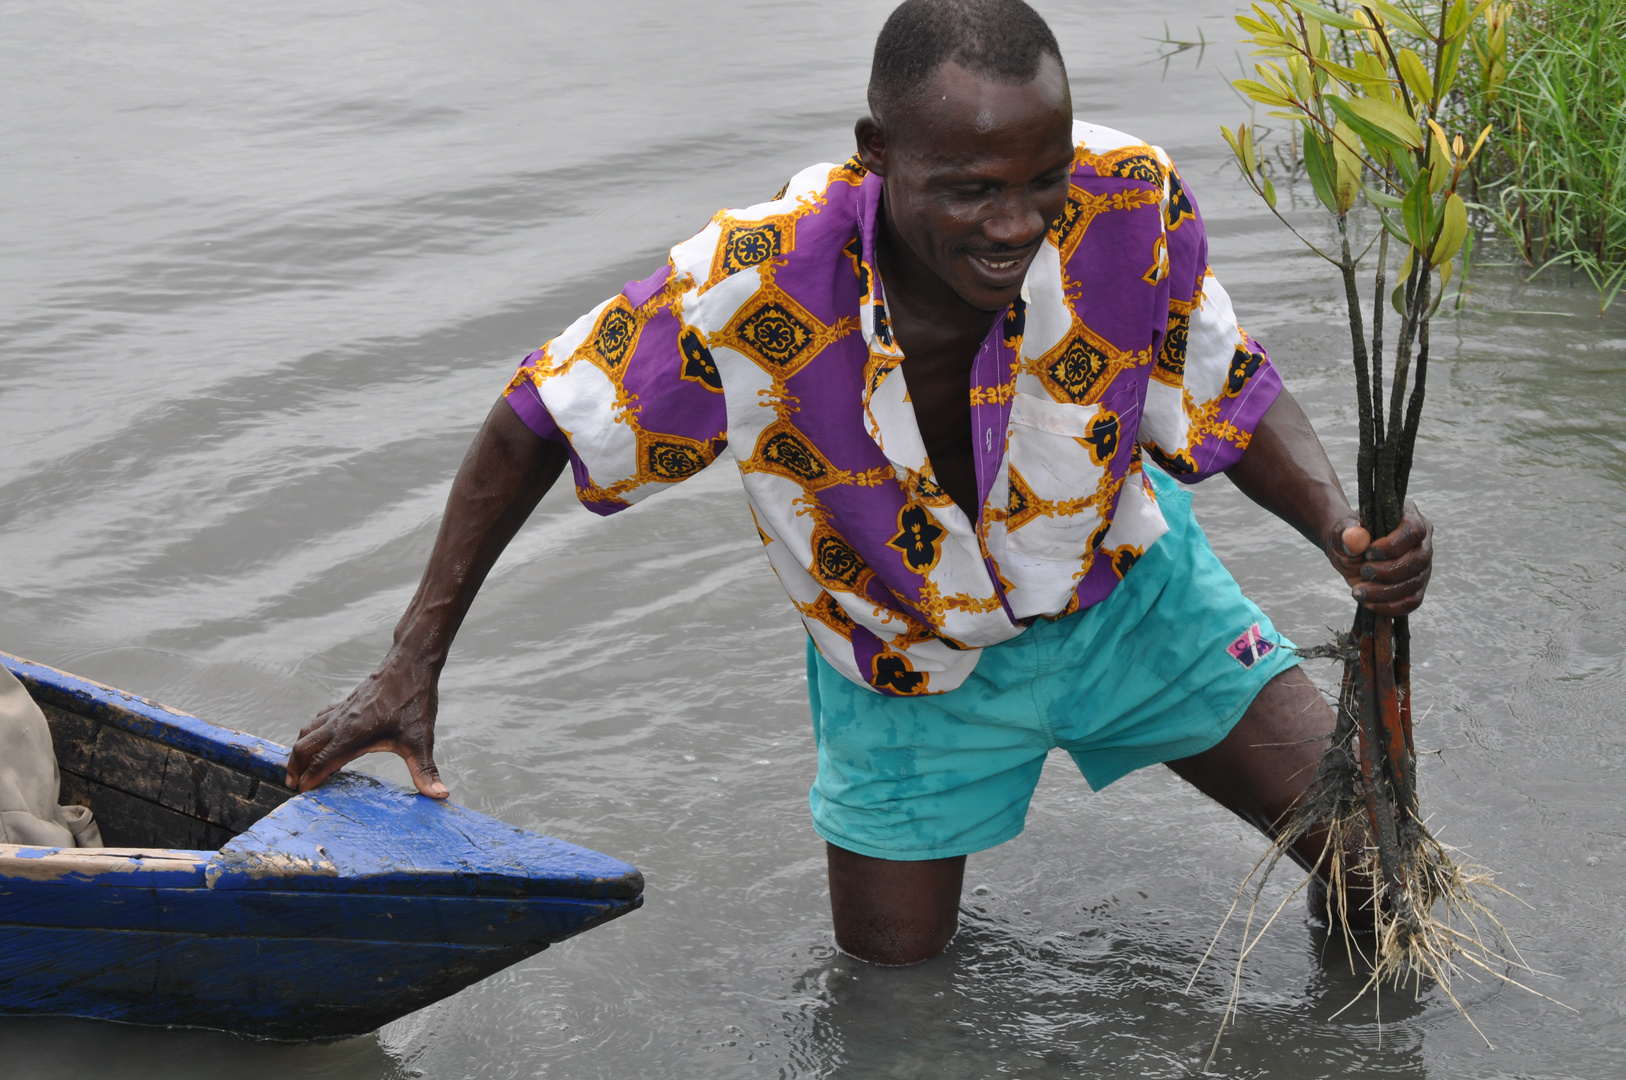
(1262, 769)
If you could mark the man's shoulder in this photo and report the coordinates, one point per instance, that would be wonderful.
(819, 202)
(1108, 153)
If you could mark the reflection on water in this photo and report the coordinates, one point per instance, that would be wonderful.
(269, 267)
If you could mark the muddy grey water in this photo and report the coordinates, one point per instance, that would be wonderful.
(267, 266)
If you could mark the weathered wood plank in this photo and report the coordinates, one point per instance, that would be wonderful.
(129, 821)
(74, 867)
(174, 779)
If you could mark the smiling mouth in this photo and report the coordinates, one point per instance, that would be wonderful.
(1005, 262)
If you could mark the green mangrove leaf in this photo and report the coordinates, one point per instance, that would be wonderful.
(1379, 198)
(1406, 166)
(1275, 78)
(1302, 80)
(1362, 79)
(1380, 124)
(1323, 15)
(1456, 18)
(1270, 193)
(1449, 57)
(1261, 93)
(1319, 166)
(1453, 231)
(1414, 212)
(1445, 275)
(1373, 68)
(1390, 226)
(1317, 39)
(1400, 18)
(1398, 297)
(1348, 166)
(1415, 73)
(1439, 166)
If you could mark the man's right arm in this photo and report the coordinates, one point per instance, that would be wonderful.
(503, 476)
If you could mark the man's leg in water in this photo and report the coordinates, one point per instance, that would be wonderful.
(891, 912)
(895, 912)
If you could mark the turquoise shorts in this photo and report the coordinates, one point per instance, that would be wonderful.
(1162, 669)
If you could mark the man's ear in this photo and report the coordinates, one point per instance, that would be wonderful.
(871, 144)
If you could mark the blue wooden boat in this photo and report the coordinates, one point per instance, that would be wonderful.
(226, 901)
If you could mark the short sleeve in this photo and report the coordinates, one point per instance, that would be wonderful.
(1211, 383)
(631, 391)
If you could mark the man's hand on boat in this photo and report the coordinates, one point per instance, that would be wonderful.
(503, 476)
(393, 709)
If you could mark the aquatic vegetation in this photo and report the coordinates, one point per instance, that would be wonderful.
(1368, 93)
(1551, 76)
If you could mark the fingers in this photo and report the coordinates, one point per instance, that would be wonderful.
(421, 764)
(312, 738)
(323, 764)
(1395, 574)
(1414, 531)
(1398, 599)
(1413, 563)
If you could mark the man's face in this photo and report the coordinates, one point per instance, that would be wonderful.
(976, 170)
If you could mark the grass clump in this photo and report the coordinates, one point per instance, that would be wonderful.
(1551, 79)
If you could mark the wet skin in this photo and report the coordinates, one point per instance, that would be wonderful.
(975, 169)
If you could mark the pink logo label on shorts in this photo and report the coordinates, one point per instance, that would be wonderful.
(1250, 647)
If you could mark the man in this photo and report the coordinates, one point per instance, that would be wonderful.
(944, 367)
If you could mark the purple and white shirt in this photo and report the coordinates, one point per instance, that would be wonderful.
(768, 331)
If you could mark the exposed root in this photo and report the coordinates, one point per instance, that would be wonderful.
(1425, 921)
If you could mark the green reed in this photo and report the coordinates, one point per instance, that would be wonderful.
(1554, 87)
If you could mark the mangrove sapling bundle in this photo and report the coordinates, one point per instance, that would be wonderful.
(1364, 89)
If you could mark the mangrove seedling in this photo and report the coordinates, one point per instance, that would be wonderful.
(1364, 93)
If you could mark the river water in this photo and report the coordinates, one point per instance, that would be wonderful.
(268, 265)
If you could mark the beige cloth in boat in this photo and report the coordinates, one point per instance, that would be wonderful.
(29, 781)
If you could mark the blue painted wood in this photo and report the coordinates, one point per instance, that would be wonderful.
(338, 911)
(358, 834)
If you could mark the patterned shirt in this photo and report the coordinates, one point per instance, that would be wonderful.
(768, 331)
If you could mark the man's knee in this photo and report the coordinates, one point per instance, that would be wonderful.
(892, 912)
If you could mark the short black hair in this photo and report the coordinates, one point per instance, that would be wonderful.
(1004, 39)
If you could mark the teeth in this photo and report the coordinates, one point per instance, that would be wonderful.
(1000, 265)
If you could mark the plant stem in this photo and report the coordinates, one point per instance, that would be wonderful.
(1357, 334)
(1417, 296)
(1378, 300)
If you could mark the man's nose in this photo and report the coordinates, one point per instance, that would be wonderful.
(1017, 221)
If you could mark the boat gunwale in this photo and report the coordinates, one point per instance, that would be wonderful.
(262, 759)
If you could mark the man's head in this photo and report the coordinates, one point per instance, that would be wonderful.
(971, 124)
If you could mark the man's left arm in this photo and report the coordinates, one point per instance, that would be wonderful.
(1285, 470)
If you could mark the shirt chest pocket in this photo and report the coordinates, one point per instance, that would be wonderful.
(1057, 459)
